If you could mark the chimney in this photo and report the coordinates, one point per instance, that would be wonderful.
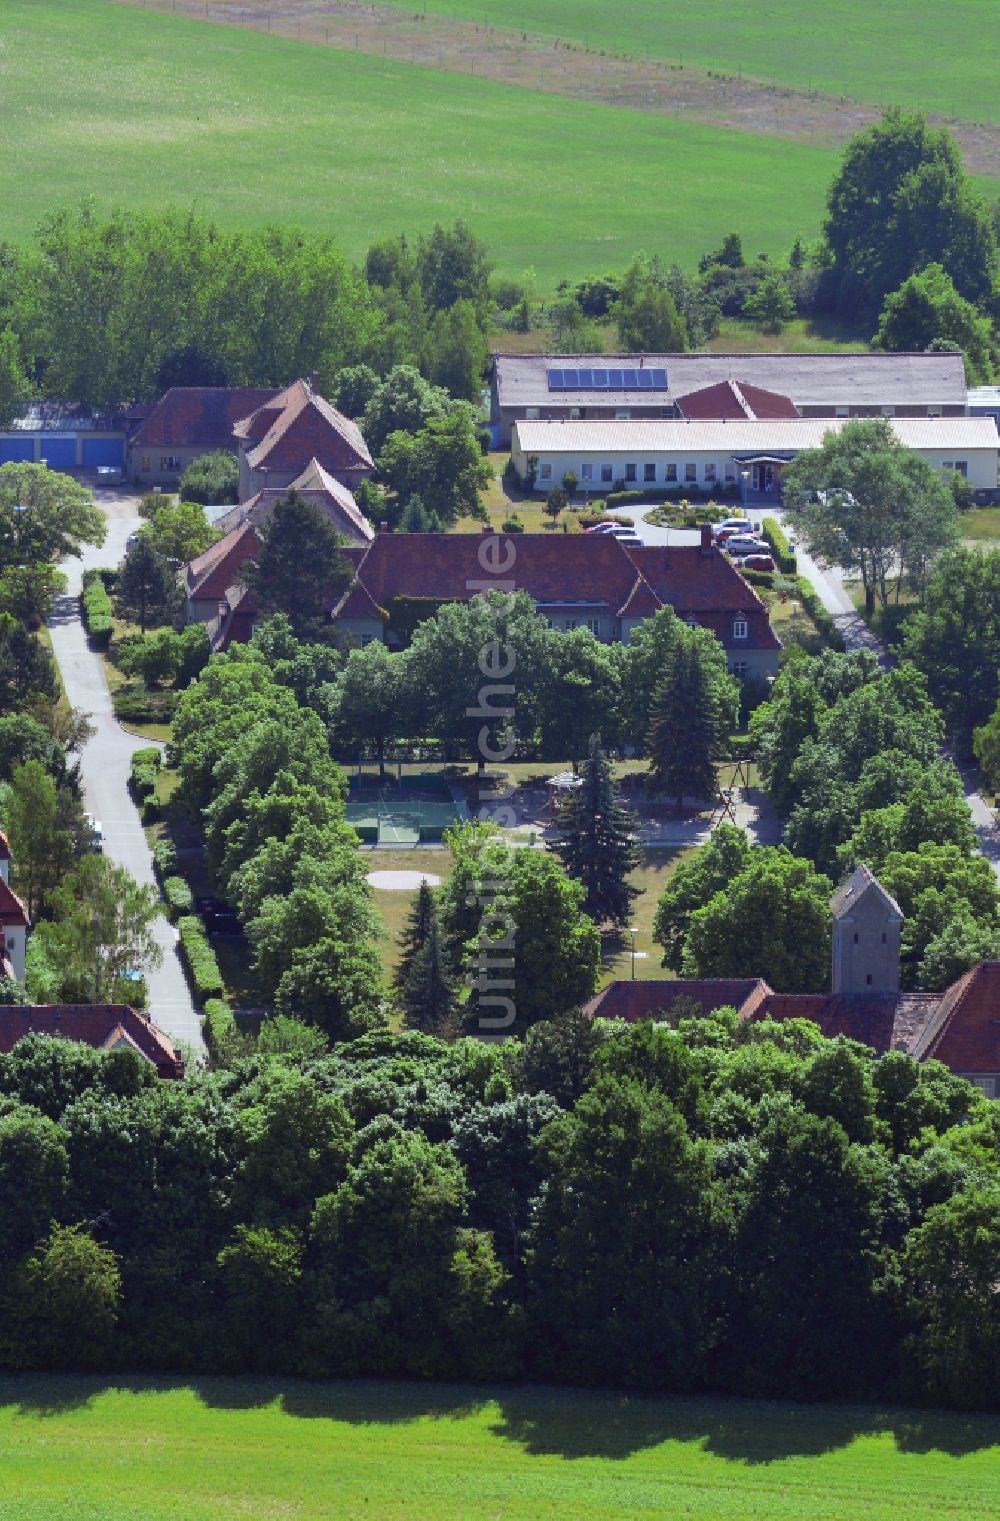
(380, 527)
(314, 381)
(707, 544)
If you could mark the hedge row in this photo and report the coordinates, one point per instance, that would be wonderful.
(143, 773)
(784, 556)
(218, 1026)
(206, 979)
(178, 896)
(165, 859)
(95, 609)
(136, 704)
(819, 614)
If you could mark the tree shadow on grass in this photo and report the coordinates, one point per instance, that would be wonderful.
(543, 1421)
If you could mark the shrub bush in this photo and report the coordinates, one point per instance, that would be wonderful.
(142, 779)
(819, 615)
(199, 958)
(219, 1026)
(164, 859)
(178, 897)
(512, 524)
(136, 704)
(775, 536)
(95, 609)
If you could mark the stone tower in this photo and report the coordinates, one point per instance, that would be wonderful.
(867, 924)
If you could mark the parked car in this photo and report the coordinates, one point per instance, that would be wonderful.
(730, 526)
(629, 540)
(602, 527)
(132, 539)
(96, 832)
(755, 562)
(623, 532)
(745, 544)
(219, 918)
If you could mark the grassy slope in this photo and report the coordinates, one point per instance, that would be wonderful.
(143, 108)
(72, 1452)
(884, 52)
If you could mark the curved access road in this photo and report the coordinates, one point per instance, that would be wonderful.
(105, 763)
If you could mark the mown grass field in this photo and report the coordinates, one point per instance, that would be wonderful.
(77, 1450)
(891, 51)
(141, 108)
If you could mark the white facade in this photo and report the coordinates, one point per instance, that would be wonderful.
(672, 451)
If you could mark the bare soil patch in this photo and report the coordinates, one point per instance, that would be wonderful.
(558, 67)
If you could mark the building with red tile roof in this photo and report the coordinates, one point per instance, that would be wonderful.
(105, 1026)
(731, 399)
(14, 926)
(959, 1027)
(575, 581)
(207, 578)
(317, 486)
(185, 423)
(279, 439)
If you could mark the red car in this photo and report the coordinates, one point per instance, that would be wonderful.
(755, 562)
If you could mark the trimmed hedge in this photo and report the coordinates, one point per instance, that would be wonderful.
(203, 969)
(218, 1026)
(165, 859)
(784, 556)
(179, 897)
(143, 773)
(95, 609)
(137, 705)
(819, 615)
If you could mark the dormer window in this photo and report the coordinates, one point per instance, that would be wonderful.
(740, 628)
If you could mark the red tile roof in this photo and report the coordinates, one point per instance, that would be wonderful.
(765, 404)
(965, 1032)
(304, 427)
(645, 1000)
(211, 573)
(197, 417)
(12, 910)
(102, 1025)
(316, 485)
(708, 587)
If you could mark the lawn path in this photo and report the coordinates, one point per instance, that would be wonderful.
(105, 765)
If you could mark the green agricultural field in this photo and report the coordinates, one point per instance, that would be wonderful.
(142, 108)
(75, 1450)
(891, 51)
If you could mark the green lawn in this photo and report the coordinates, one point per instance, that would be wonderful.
(891, 51)
(144, 108)
(981, 525)
(74, 1449)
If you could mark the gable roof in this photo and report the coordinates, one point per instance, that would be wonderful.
(633, 1001)
(316, 485)
(810, 380)
(101, 1025)
(687, 579)
(780, 437)
(884, 1021)
(965, 1030)
(859, 884)
(193, 417)
(731, 399)
(211, 573)
(298, 426)
(12, 910)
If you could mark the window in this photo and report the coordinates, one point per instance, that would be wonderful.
(649, 472)
(145, 463)
(570, 624)
(933, 411)
(594, 624)
(868, 979)
(855, 937)
(740, 668)
(630, 473)
(546, 471)
(710, 471)
(670, 472)
(986, 1085)
(169, 462)
(740, 629)
(691, 621)
(587, 471)
(606, 474)
(884, 937)
(730, 473)
(842, 411)
(888, 411)
(622, 414)
(531, 411)
(962, 466)
(367, 639)
(690, 472)
(574, 411)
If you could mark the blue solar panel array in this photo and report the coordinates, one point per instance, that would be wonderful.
(607, 380)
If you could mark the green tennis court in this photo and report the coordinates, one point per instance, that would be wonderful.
(395, 818)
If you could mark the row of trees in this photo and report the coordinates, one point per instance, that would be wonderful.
(114, 309)
(711, 1207)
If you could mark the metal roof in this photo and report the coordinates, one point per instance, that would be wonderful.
(811, 380)
(778, 435)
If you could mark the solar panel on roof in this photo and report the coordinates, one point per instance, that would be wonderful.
(600, 380)
(571, 379)
(614, 380)
(555, 380)
(630, 380)
(645, 380)
(586, 380)
(659, 380)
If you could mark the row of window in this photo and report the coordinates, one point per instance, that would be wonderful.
(167, 462)
(709, 472)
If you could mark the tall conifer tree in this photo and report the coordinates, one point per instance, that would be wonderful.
(597, 845)
(684, 726)
(429, 992)
(421, 917)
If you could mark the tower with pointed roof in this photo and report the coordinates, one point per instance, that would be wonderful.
(867, 926)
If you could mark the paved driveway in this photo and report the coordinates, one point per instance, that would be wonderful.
(105, 764)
